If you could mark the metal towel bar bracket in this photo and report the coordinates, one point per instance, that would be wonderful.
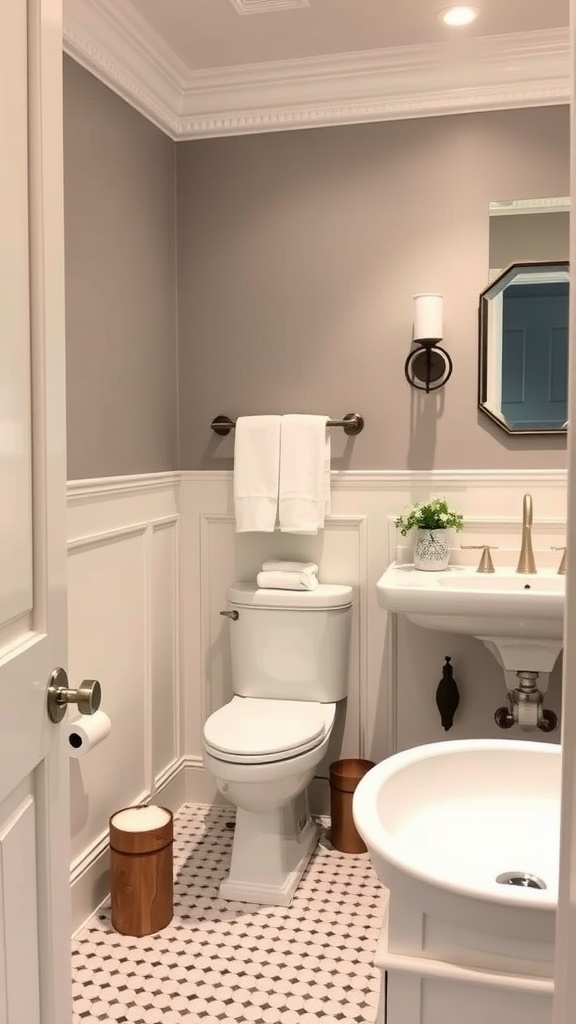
(352, 423)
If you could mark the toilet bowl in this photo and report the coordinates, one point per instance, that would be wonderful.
(274, 834)
(289, 670)
(265, 769)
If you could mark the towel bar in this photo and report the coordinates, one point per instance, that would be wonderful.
(352, 423)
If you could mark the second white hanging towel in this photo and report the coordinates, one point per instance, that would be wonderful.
(304, 492)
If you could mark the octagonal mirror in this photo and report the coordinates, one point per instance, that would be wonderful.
(523, 348)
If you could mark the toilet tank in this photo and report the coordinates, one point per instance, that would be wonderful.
(290, 644)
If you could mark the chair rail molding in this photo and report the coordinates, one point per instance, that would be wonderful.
(488, 73)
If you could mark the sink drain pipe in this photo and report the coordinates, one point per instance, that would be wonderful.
(526, 707)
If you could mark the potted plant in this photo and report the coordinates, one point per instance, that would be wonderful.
(431, 520)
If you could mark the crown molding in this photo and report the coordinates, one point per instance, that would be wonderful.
(485, 73)
(262, 6)
(511, 207)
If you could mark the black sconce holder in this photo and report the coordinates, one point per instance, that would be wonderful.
(428, 367)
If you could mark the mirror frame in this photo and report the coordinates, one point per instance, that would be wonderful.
(483, 322)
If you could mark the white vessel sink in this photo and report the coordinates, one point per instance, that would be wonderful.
(456, 814)
(459, 832)
(510, 612)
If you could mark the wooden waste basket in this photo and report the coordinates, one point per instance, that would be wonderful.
(141, 869)
(344, 777)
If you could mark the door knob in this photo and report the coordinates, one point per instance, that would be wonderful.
(87, 697)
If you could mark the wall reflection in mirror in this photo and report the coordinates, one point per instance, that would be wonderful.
(523, 317)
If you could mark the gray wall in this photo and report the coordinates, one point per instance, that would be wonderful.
(120, 224)
(530, 236)
(298, 256)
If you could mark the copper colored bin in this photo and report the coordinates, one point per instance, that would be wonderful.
(344, 777)
(141, 878)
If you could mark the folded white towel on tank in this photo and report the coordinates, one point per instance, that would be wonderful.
(310, 568)
(256, 472)
(286, 581)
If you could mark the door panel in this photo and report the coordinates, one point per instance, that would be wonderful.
(15, 438)
(34, 830)
(20, 909)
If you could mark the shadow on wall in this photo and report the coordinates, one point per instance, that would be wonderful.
(425, 411)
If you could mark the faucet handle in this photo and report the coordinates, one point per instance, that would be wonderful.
(562, 566)
(485, 564)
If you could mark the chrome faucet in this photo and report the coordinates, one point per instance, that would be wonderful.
(526, 561)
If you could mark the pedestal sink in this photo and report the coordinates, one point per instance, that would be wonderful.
(519, 617)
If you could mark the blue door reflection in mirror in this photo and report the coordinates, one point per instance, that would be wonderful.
(523, 369)
(535, 355)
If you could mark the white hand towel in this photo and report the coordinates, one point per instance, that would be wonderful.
(310, 568)
(286, 581)
(304, 473)
(256, 471)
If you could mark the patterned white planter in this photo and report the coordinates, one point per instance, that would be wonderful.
(431, 550)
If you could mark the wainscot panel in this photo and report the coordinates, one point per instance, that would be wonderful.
(150, 561)
(396, 666)
(124, 630)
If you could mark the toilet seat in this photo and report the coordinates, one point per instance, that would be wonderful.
(254, 731)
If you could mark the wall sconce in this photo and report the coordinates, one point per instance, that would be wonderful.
(428, 366)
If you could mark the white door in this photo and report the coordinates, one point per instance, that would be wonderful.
(34, 830)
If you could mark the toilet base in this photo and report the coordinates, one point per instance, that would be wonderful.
(270, 854)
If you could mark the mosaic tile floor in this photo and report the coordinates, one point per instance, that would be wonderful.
(310, 963)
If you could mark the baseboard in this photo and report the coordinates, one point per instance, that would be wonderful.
(200, 787)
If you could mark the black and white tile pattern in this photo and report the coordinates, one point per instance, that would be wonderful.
(310, 963)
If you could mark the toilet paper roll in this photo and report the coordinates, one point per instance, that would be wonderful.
(87, 732)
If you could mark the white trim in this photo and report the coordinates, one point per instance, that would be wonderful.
(488, 73)
(362, 479)
(98, 846)
(126, 56)
(361, 523)
(169, 773)
(375, 479)
(120, 486)
(262, 6)
(163, 523)
(510, 207)
(94, 540)
(146, 678)
(424, 967)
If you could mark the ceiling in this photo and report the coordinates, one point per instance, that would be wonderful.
(215, 67)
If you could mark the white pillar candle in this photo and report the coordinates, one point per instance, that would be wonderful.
(140, 819)
(428, 316)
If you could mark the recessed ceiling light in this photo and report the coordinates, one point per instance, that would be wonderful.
(456, 16)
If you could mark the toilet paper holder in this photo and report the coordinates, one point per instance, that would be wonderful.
(87, 697)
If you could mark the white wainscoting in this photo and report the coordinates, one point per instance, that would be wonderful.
(151, 558)
(395, 666)
(124, 629)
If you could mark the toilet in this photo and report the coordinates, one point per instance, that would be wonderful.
(289, 652)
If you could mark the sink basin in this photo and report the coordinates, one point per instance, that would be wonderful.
(465, 836)
(454, 815)
(511, 613)
(504, 583)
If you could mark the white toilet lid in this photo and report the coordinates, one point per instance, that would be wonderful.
(253, 730)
